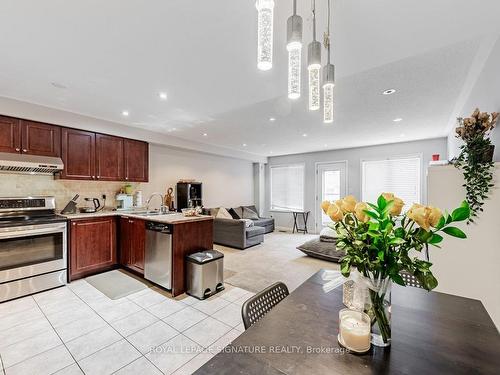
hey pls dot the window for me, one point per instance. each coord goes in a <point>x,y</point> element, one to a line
<point>401,176</point>
<point>287,187</point>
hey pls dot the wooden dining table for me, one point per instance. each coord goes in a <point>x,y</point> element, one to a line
<point>432,333</point>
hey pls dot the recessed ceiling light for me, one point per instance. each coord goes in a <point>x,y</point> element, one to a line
<point>205,134</point>
<point>163,95</point>
<point>389,91</point>
<point>125,113</point>
<point>244,145</point>
<point>398,119</point>
<point>304,135</point>
<point>272,119</point>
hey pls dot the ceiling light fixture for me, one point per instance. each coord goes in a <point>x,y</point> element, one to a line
<point>244,145</point>
<point>294,48</point>
<point>163,95</point>
<point>314,65</point>
<point>265,10</point>
<point>272,119</point>
<point>304,135</point>
<point>125,113</point>
<point>398,119</point>
<point>205,134</point>
<point>389,92</point>
<point>328,77</point>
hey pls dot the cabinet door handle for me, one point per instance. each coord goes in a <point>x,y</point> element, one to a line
<point>18,149</point>
<point>25,150</point>
<point>126,178</point>
<point>98,177</point>
<point>93,177</point>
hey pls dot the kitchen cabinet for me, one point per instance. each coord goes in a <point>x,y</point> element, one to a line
<point>92,246</point>
<point>109,158</point>
<point>78,154</point>
<point>136,154</point>
<point>132,243</point>
<point>10,134</point>
<point>40,139</point>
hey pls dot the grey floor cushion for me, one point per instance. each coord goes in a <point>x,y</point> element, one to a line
<point>322,250</point>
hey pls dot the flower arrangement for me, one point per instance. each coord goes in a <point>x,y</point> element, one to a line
<point>476,157</point>
<point>379,239</point>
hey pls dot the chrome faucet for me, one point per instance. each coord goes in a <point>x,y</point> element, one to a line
<point>162,206</point>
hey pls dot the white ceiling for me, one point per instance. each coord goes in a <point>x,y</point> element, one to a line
<point>117,55</point>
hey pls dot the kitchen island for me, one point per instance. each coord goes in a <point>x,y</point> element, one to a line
<point>110,239</point>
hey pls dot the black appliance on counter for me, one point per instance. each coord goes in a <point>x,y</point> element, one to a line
<point>33,246</point>
<point>189,195</point>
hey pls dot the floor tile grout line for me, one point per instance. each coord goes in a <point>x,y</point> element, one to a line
<point>60,338</point>
<point>125,338</point>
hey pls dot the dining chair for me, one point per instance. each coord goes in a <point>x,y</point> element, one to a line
<point>410,280</point>
<point>259,305</point>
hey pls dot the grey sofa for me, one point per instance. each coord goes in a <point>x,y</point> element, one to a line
<point>236,233</point>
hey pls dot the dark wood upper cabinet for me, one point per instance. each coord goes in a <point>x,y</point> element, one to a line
<point>109,158</point>
<point>40,139</point>
<point>132,243</point>
<point>92,246</point>
<point>10,134</point>
<point>78,154</point>
<point>136,160</point>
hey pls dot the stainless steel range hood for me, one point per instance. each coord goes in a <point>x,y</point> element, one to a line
<point>29,164</point>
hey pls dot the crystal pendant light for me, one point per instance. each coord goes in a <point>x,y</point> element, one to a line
<point>294,47</point>
<point>314,66</point>
<point>265,9</point>
<point>328,78</point>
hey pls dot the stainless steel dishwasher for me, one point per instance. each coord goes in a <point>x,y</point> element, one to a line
<point>158,257</point>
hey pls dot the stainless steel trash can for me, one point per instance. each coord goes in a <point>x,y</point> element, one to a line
<point>205,273</point>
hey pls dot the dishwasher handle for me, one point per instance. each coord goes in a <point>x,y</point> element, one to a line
<point>158,227</point>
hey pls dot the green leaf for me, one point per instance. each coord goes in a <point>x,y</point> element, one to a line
<point>372,214</point>
<point>435,239</point>
<point>373,206</point>
<point>380,255</point>
<point>381,202</point>
<point>398,279</point>
<point>397,241</point>
<point>455,232</point>
<point>441,223</point>
<point>460,213</point>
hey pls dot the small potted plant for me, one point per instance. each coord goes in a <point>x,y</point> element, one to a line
<point>380,240</point>
<point>476,157</point>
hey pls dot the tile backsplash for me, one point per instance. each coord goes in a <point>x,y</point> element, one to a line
<point>17,185</point>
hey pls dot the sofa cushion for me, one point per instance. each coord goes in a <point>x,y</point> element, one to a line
<point>248,223</point>
<point>322,250</point>
<point>254,231</point>
<point>264,222</point>
<point>249,214</point>
<point>223,214</point>
<point>327,235</point>
<point>233,213</point>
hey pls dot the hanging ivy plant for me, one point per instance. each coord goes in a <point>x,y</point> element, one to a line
<point>476,158</point>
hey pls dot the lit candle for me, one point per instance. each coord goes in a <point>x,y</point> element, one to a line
<point>355,330</point>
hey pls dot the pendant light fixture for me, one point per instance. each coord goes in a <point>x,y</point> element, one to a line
<point>328,77</point>
<point>265,9</point>
<point>294,47</point>
<point>314,66</point>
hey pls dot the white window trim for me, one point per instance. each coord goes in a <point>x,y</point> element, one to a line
<point>423,196</point>
<point>303,165</point>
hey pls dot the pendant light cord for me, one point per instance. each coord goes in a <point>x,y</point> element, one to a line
<point>294,7</point>
<point>327,37</point>
<point>313,5</point>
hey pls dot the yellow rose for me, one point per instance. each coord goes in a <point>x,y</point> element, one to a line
<point>397,206</point>
<point>348,204</point>
<point>435,215</point>
<point>421,217</point>
<point>359,212</point>
<point>388,196</point>
<point>325,205</point>
<point>335,213</point>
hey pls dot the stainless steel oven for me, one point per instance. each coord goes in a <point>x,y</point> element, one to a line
<point>33,252</point>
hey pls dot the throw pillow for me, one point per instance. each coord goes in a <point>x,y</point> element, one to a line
<point>223,214</point>
<point>327,235</point>
<point>233,213</point>
<point>239,212</point>
<point>254,209</point>
<point>249,214</point>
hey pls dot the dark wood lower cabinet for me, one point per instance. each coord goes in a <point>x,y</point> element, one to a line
<point>132,243</point>
<point>92,246</point>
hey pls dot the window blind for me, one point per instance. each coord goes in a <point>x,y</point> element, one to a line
<point>287,187</point>
<point>401,176</point>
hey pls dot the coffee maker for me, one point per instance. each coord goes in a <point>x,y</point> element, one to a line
<point>124,201</point>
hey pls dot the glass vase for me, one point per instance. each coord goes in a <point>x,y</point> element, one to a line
<point>380,312</point>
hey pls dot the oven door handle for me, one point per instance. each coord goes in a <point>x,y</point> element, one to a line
<point>31,232</point>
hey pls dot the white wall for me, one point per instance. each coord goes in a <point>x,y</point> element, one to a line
<point>468,267</point>
<point>353,156</point>
<point>485,95</point>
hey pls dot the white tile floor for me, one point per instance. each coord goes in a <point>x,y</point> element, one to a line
<point>78,330</point>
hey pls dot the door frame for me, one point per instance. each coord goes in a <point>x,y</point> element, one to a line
<point>317,205</point>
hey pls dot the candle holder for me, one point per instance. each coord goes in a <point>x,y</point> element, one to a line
<point>354,331</point>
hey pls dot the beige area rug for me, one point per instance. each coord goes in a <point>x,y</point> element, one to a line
<point>117,283</point>
<point>277,259</point>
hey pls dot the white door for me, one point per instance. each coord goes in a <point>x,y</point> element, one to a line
<point>331,184</point>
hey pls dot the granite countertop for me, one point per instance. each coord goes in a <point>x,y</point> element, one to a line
<point>175,218</point>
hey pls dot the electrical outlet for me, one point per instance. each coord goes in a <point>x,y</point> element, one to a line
<point>104,196</point>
